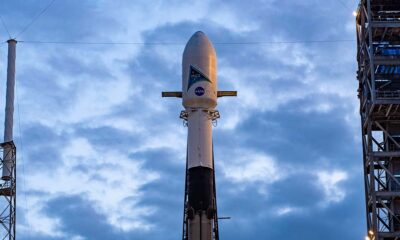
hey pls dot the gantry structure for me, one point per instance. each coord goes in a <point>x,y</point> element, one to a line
<point>378,55</point>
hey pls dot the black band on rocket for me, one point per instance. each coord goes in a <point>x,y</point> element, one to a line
<point>200,188</point>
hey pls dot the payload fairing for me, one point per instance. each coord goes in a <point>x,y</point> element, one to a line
<point>199,98</point>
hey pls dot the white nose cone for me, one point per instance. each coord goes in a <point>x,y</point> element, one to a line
<point>199,73</point>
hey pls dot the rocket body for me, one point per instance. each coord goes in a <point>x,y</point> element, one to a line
<point>199,98</point>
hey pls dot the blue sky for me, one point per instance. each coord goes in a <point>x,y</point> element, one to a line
<point>101,155</point>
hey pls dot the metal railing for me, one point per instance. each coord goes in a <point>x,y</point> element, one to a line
<point>388,94</point>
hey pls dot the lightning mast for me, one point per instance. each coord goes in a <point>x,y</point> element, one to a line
<point>378,55</point>
<point>8,160</point>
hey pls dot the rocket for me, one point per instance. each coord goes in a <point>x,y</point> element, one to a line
<point>199,99</point>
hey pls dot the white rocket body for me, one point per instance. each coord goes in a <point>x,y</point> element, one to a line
<point>199,94</point>
<point>199,97</point>
<point>199,139</point>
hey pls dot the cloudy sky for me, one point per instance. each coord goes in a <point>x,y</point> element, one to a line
<point>101,155</point>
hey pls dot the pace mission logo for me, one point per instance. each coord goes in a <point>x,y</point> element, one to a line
<point>195,75</point>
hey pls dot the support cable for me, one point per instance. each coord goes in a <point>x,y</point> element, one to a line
<point>5,26</point>
<point>21,152</point>
<point>344,5</point>
<point>182,43</point>
<point>35,18</point>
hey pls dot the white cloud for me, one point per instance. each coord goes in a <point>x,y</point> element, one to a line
<point>230,20</point>
<point>260,96</point>
<point>36,221</point>
<point>230,117</point>
<point>330,181</point>
<point>287,210</point>
<point>78,238</point>
<point>251,167</point>
<point>104,177</point>
<point>318,107</point>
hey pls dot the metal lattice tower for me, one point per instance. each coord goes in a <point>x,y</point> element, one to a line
<point>8,192</point>
<point>378,55</point>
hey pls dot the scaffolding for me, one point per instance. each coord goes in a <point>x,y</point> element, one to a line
<point>378,56</point>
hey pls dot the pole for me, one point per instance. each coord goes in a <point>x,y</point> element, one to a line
<point>9,114</point>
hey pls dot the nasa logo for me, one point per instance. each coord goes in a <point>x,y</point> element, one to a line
<point>199,91</point>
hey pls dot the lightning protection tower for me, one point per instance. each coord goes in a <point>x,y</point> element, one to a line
<point>8,157</point>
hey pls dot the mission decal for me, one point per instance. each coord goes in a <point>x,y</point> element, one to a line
<point>195,76</point>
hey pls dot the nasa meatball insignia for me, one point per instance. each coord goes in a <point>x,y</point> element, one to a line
<point>199,91</point>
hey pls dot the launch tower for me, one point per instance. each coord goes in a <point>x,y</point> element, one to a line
<point>378,55</point>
